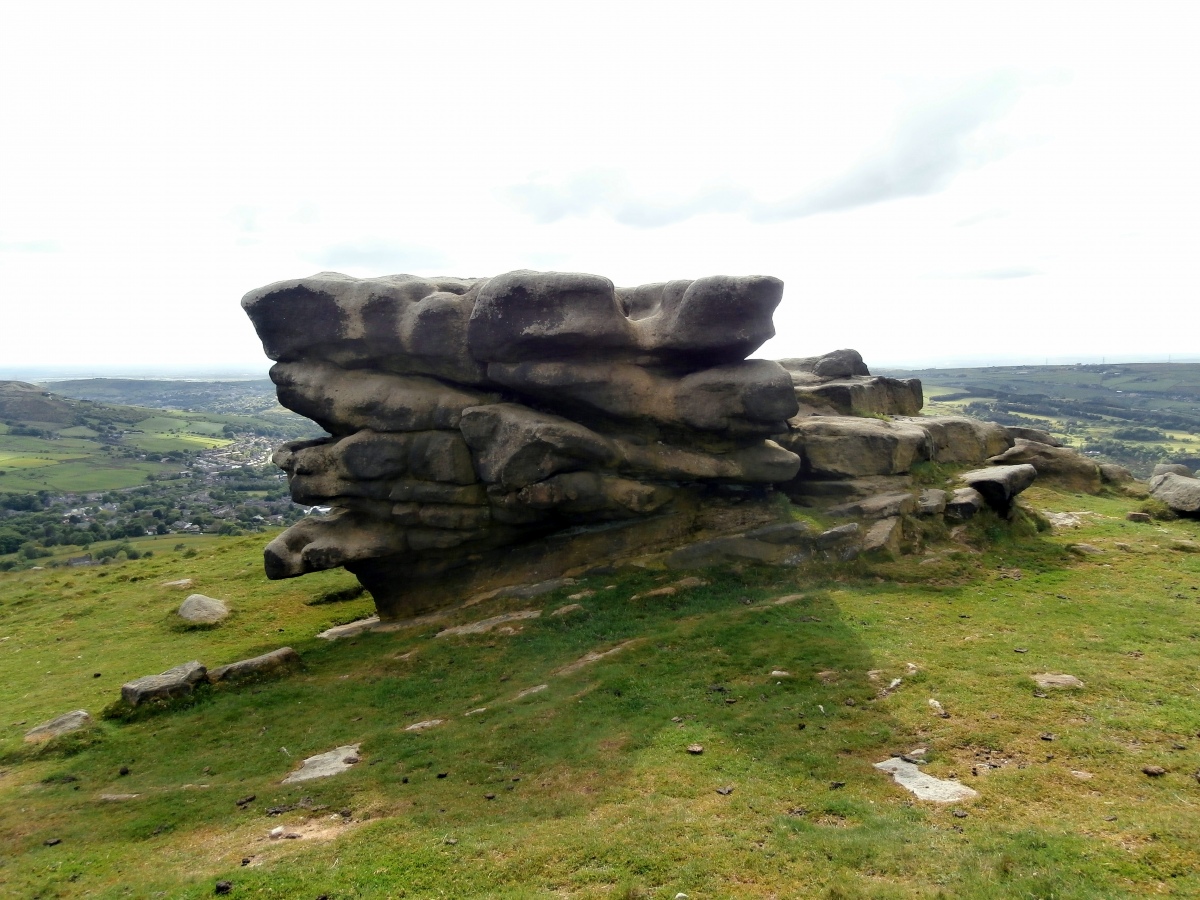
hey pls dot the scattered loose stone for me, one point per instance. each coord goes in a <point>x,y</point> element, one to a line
<point>780,673</point>
<point>223,887</point>
<point>202,610</point>
<point>422,726</point>
<point>487,625</point>
<point>1050,680</point>
<point>938,709</point>
<point>1154,771</point>
<point>323,765</point>
<point>64,724</point>
<point>725,791</point>
<point>1138,517</point>
<point>1020,650</point>
<point>1047,736</point>
<point>695,749</point>
<point>489,796</point>
<point>960,813</point>
<point>174,682</point>
<point>52,842</point>
<point>924,786</point>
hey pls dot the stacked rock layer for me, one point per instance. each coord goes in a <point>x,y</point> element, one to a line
<point>469,417</point>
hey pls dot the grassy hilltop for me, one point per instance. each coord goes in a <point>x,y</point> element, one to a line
<point>585,788</point>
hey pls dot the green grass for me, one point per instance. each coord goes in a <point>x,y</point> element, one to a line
<point>608,801</point>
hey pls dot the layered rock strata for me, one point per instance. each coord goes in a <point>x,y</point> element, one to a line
<point>525,422</point>
<point>490,432</point>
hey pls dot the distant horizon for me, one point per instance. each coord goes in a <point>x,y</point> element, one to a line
<point>259,371</point>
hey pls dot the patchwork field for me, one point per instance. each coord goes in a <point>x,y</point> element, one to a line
<point>571,775</point>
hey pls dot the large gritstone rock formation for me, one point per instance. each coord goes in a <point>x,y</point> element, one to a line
<point>485,433</point>
<point>517,425</point>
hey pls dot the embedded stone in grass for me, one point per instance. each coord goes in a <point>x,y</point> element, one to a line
<point>1154,771</point>
<point>587,659</point>
<point>323,765</point>
<point>350,629</point>
<point>1085,549</point>
<point>537,688</point>
<point>118,798</point>
<point>422,726</point>
<point>695,749</point>
<point>924,786</point>
<point>487,625</point>
<point>1138,517</point>
<point>267,663</point>
<point>568,609</point>
<point>1051,680</point>
<point>178,583</point>
<point>64,724</point>
<point>201,610</point>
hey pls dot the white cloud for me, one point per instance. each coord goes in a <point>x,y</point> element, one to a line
<point>907,169</point>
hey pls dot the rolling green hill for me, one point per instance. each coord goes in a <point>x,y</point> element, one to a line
<point>1135,415</point>
<point>551,770</point>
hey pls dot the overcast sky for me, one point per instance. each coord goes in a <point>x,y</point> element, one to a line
<point>934,182</point>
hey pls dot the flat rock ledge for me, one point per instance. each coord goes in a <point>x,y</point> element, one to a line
<point>324,765</point>
<point>64,724</point>
<point>924,786</point>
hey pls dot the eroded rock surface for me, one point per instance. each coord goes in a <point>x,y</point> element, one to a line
<point>509,430</point>
<point>472,419</point>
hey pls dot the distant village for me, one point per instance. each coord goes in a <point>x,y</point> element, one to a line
<point>228,490</point>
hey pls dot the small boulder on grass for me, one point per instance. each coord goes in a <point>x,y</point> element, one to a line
<point>64,724</point>
<point>200,610</point>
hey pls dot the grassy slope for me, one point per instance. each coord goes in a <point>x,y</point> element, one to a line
<point>608,802</point>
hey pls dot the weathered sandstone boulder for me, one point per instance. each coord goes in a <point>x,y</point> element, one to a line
<point>175,682</point>
<point>850,447</point>
<point>497,431</point>
<point>1179,492</point>
<point>1171,469</point>
<point>959,439</point>
<point>256,667</point>
<point>1032,434</point>
<point>1000,485</point>
<point>1060,464</point>
<point>472,417</point>
<point>840,383</point>
<point>201,610</point>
